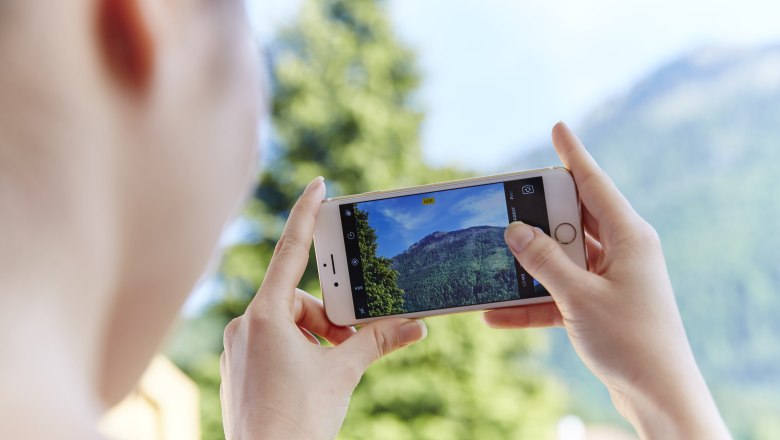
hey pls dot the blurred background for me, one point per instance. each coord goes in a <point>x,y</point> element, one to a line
<point>679,102</point>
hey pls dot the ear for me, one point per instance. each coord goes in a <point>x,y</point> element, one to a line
<point>126,44</point>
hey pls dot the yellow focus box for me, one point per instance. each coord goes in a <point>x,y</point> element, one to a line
<point>428,201</point>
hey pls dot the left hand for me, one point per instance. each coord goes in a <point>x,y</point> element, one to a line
<point>277,381</point>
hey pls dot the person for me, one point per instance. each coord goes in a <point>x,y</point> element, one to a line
<point>620,315</point>
<point>127,133</point>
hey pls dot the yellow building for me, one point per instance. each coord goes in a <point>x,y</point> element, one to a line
<point>164,406</point>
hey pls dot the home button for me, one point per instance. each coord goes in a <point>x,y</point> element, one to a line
<point>565,233</point>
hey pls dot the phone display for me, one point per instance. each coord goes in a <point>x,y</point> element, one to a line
<point>441,249</point>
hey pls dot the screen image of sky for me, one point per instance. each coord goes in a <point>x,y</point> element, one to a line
<point>402,221</point>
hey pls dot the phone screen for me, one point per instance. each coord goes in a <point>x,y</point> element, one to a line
<point>440,249</point>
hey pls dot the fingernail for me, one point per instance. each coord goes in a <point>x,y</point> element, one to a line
<point>317,181</point>
<point>518,235</point>
<point>412,331</point>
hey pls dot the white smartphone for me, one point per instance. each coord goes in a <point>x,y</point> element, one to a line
<point>437,249</point>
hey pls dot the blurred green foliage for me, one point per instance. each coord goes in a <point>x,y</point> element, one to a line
<point>342,107</point>
<point>693,146</point>
<point>463,382</point>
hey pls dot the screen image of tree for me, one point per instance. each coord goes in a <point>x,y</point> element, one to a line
<point>436,250</point>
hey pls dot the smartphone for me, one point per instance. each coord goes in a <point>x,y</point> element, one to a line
<point>440,248</point>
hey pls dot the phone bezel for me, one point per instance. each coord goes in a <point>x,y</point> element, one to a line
<point>562,207</point>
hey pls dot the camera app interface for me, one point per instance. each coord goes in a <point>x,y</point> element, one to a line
<point>441,249</point>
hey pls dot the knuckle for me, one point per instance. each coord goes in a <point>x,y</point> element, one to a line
<point>383,343</point>
<point>521,318</point>
<point>278,246</point>
<point>591,178</point>
<point>230,332</point>
<point>581,298</point>
<point>379,342</point>
<point>543,254</point>
<point>587,180</point>
<point>637,233</point>
<point>290,244</point>
<point>350,373</point>
<point>553,316</point>
<point>223,364</point>
<point>651,235</point>
<point>647,235</point>
<point>557,320</point>
<point>243,329</point>
<point>258,323</point>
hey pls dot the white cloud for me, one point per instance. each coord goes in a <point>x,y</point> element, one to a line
<point>408,220</point>
<point>487,208</point>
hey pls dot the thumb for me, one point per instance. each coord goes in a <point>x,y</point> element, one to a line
<point>544,259</point>
<point>381,337</point>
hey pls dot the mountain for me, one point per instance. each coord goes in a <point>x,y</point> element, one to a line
<point>695,147</point>
<point>441,270</point>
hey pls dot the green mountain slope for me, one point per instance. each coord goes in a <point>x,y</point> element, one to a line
<point>696,149</point>
<point>463,267</point>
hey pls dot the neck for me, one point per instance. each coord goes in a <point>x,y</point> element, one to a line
<point>55,279</point>
<point>44,385</point>
<point>57,229</point>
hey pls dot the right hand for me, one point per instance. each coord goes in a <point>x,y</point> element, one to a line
<point>620,315</point>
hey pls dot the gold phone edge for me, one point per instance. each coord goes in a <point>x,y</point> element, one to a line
<point>449,182</point>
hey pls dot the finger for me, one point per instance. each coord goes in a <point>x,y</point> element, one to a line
<point>379,338</point>
<point>544,259</point>
<point>534,315</point>
<point>223,366</point>
<point>225,412</point>
<point>231,330</point>
<point>313,339</point>
<point>310,315</point>
<point>590,223</point>
<point>594,253</point>
<point>224,388</point>
<point>597,191</point>
<point>292,252</point>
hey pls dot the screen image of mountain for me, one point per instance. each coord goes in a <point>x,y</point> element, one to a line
<point>457,268</point>
<point>440,249</point>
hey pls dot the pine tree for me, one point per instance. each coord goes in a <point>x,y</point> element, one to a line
<point>379,277</point>
<point>343,107</point>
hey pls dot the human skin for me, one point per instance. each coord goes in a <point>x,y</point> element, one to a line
<point>127,133</point>
<point>127,140</point>
<point>620,314</point>
<point>277,381</point>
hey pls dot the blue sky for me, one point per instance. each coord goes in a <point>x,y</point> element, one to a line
<point>403,221</point>
<point>497,74</point>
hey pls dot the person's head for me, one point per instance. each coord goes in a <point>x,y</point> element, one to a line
<point>127,139</point>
